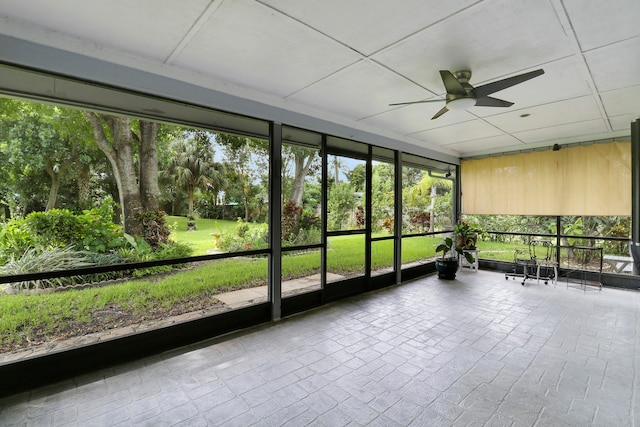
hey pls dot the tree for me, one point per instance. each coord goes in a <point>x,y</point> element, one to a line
<point>340,204</point>
<point>239,157</point>
<point>40,138</point>
<point>302,159</point>
<point>190,167</point>
<point>116,137</point>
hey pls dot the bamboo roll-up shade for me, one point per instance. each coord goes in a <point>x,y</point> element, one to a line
<point>592,180</point>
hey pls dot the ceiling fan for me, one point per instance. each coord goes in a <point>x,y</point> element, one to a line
<point>461,95</point>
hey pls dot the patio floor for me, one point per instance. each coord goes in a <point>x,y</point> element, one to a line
<point>479,350</point>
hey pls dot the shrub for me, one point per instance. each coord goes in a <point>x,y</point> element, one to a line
<point>156,230</point>
<point>256,237</point>
<point>93,231</point>
<point>35,260</point>
<point>291,219</point>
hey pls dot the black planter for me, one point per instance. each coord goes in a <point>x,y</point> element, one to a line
<point>447,268</point>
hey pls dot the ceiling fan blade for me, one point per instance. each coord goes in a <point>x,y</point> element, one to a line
<point>488,101</point>
<point>417,102</point>
<point>489,88</point>
<point>453,86</point>
<point>441,112</point>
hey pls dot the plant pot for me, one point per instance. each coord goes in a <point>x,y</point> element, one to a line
<point>467,242</point>
<point>447,268</point>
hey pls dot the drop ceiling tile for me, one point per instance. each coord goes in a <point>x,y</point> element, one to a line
<point>561,131</point>
<point>249,44</point>
<point>358,91</point>
<point>562,79</point>
<point>367,25</point>
<point>491,144</point>
<point>622,101</point>
<point>623,122</point>
<point>599,23</point>
<point>417,117</point>
<point>492,39</point>
<point>466,131</point>
<point>148,28</point>
<point>615,66</point>
<point>545,116</point>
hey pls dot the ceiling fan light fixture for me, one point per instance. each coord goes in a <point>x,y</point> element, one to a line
<point>461,103</point>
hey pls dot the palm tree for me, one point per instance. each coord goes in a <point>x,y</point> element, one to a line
<point>190,167</point>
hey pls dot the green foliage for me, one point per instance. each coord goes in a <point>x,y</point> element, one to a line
<point>340,205</point>
<point>447,245</point>
<point>291,218</point>
<point>35,260</point>
<point>30,317</point>
<point>92,231</point>
<point>251,238</point>
<point>155,227</point>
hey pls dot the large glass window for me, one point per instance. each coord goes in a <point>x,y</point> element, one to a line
<point>301,211</point>
<point>106,192</point>
<point>382,213</point>
<point>427,201</point>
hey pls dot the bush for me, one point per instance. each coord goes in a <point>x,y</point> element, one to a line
<point>35,260</point>
<point>93,231</point>
<point>156,230</point>
<point>256,237</point>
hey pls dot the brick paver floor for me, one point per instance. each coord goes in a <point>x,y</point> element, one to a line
<point>479,350</point>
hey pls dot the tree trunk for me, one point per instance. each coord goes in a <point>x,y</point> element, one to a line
<point>148,154</point>
<point>56,172</point>
<point>190,201</point>
<point>53,191</point>
<point>84,188</point>
<point>119,152</point>
<point>302,165</point>
<point>432,206</point>
<point>7,211</point>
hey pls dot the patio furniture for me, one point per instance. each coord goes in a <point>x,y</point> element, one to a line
<point>465,264</point>
<point>538,262</point>
<point>522,260</point>
<point>584,267</point>
<point>619,264</point>
<point>546,263</point>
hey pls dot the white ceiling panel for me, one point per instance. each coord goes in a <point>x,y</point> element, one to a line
<point>414,118</point>
<point>623,122</point>
<point>556,133</point>
<point>615,66</point>
<point>337,65</point>
<point>274,54</point>
<point>148,28</point>
<point>494,43</point>
<point>599,23</point>
<point>457,133</point>
<point>486,145</point>
<point>562,79</point>
<point>557,113</point>
<point>368,27</point>
<point>359,91</point>
<point>622,101</point>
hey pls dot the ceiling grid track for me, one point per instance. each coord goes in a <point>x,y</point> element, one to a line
<point>565,21</point>
<point>197,25</point>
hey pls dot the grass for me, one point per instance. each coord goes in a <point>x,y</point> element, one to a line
<point>200,239</point>
<point>27,315</point>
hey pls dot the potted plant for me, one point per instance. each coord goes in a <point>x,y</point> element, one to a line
<point>447,266</point>
<point>467,234</point>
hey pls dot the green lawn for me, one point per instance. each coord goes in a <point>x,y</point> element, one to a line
<point>200,239</point>
<point>27,315</point>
